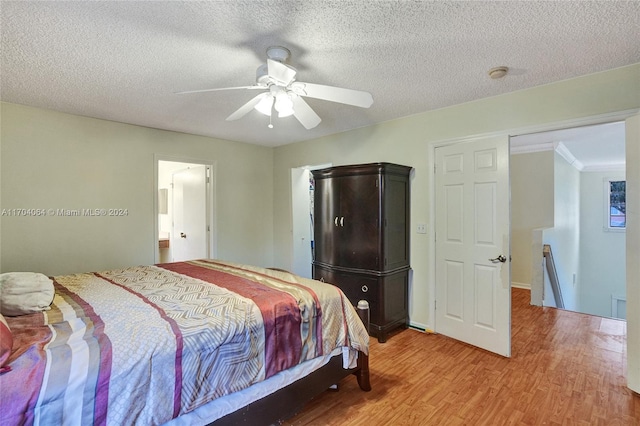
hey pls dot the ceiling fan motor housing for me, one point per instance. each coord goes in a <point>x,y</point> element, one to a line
<point>278,53</point>
<point>262,75</point>
<point>275,53</point>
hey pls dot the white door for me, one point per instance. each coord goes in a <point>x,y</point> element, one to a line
<point>301,218</point>
<point>189,236</point>
<point>473,291</point>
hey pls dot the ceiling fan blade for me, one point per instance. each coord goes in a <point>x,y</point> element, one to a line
<point>283,74</point>
<point>303,112</point>
<point>223,88</point>
<point>244,109</point>
<point>333,94</point>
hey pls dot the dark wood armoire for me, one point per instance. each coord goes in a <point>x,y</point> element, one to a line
<point>361,236</point>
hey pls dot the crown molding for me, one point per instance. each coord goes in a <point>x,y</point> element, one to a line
<point>617,167</point>
<point>564,152</point>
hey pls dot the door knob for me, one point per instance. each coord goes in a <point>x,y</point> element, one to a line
<point>498,259</point>
<point>183,235</point>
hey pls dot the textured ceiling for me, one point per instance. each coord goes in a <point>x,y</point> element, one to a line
<point>123,60</point>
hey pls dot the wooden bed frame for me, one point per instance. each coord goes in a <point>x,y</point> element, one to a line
<point>288,401</point>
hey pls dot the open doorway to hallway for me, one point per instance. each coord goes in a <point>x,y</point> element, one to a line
<point>561,197</point>
<point>183,211</point>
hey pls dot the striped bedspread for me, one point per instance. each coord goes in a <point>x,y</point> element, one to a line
<point>143,345</point>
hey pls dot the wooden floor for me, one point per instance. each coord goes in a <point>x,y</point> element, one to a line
<point>566,369</point>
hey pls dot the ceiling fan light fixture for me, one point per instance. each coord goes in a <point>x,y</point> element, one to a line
<point>265,105</point>
<point>284,105</point>
<point>286,113</point>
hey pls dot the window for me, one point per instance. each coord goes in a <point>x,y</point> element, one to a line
<point>615,193</point>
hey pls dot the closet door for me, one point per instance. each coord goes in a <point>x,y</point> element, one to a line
<point>358,223</point>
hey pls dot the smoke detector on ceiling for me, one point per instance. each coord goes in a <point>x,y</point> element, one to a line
<point>498,72</point>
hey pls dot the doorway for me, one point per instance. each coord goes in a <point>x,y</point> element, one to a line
<point>563,203</point>
<point>534,198</point>
<point>184,211</point>
<point>302,193</point>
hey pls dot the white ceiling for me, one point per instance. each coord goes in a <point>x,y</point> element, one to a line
<point>123,60</point>
<point>589,148</point>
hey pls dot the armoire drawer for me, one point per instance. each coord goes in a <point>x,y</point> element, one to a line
<point>355,287</point>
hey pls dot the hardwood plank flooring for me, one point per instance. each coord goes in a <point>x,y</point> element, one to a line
<point>566,368</point>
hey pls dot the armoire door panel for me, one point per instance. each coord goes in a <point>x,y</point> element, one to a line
<point>358,228</point>
<point>326,209</point>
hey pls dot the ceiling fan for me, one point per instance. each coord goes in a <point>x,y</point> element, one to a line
<point>282,92</point>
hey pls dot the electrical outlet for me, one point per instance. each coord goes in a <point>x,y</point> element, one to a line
<point>422,228</point>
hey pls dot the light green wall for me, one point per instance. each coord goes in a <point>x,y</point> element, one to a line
<point>602,254</point>
<point>564,237</point>
<point>407,141</point>
<point>56,160</point>
<point>531,208</point>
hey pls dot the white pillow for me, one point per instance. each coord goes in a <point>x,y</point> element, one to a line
<point>24,293</point>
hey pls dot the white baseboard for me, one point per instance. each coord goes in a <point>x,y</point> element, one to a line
<point>521,285</point>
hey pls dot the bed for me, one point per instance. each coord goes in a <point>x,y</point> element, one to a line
<point>185,343</point>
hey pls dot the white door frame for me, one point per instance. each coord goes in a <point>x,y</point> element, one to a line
<point>557,125</point>
<point>632,144</point>
<point>211,202</point>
